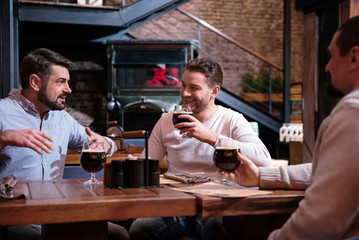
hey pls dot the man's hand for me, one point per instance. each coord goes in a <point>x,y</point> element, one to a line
<point>197,130</point>
<point>30,138</point>
<point>95,137</point>
<point>247,174</point>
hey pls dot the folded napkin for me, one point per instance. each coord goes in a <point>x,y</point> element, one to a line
<point>221,190</point>
<point>185,177</point>
<point>9,189</point>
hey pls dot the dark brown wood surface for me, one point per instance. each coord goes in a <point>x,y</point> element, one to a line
<point>73,158</point>
<point>280,202</point>
<point>67,201</point>
<point>67,206</point>
<point>310,83</point>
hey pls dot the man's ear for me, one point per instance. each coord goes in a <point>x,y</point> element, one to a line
<point>35,82</point>
<point>215,91</point>
<point>354,58</point>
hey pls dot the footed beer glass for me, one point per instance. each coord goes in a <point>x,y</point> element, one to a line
<point>93,158</point>
<point>225,157</point>
<point>181,110</point>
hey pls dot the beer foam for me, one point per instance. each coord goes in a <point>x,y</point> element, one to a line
<point>183,112</point>
<point>227,148</point>
<point>93,150</point>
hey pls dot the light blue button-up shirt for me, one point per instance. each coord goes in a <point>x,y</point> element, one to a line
<point>16,112</point>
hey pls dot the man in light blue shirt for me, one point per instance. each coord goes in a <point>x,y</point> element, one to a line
<point>35,132</point>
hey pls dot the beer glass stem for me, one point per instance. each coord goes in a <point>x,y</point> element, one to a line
<point>224,180</point>
<point>93,179</point>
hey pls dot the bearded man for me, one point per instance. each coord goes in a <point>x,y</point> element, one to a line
<point>35,132</point>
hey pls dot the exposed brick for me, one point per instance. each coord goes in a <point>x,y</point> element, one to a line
<point>257,24</point>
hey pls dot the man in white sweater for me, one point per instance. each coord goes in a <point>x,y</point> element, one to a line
<point>201,83</point>
<point>330,208</point>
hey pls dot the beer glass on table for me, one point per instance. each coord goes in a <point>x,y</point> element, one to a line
<point>225,157</point>
<point>93,158</point>
<point>181,110</point>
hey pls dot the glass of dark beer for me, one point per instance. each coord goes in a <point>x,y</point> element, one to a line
<point>225,157</point>
<point>181,110</point>
<point>93,158</point>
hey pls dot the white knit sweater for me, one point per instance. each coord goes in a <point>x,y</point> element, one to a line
<point>191,155</point>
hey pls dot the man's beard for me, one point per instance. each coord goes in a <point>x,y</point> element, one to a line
<point>52,105</point>
<point>331,90</point>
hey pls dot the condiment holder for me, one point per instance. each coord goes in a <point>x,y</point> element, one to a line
<point>132,172</point>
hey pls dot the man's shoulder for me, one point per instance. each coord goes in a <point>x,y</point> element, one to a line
<point>350,101</point>
<point>228,112</point>
<point>7,103</point>
<point>166,116</point>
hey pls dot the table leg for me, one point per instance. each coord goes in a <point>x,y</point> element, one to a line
<point>253,226</point>
<point>3,233</point>
<point>74,231</point>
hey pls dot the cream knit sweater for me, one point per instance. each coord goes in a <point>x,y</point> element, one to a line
<point>191,155</point>
<point>330,208</point>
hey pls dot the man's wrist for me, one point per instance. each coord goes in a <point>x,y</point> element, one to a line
<point>112,146</point>
<point>215,139</point>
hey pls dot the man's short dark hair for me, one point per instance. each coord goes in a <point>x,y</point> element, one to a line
<point>348,35</point>
<point>211,69</point>
<point>39,62</point>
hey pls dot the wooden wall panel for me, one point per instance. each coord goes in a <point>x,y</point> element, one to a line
<point>348,9</point>
<point>354,8</point>
<point>310,79</point>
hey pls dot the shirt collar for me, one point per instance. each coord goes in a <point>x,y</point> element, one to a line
<point>22,100</point>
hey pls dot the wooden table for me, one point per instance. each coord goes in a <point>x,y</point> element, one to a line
<point>280,202</point>
<point>252,217</point>
<point>57,203</point>
<point>73,158</point>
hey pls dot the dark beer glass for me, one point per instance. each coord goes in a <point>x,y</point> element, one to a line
<point>176,120</point>
<point>181,110</point>
<point>92,159</point>
<point>225,157</point>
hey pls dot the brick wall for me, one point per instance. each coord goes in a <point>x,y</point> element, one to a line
<point>257,24</point>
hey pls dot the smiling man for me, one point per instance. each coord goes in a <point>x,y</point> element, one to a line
<point>35,133</point>
<point>53,92</point>
<point>201,83</point>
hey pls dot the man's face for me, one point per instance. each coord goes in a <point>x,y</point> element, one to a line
<point>339,68</point>
<point>54,91</point>
<point>195,91</point>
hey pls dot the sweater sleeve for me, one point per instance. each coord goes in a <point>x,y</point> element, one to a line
<point>156,147</point>
<point>250,144</point>
<point>330,206</point>
<point>291,177</point>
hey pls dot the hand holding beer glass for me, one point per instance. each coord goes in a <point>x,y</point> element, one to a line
<point>181,110</point>
<point>93,158</point>
<point>225,157</point>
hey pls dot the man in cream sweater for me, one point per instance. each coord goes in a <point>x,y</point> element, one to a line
<point>193,153</point>
<point>330,208</point>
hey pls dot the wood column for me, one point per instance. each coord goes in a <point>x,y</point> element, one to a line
<point>310,83</point>
<point>348,9</point>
